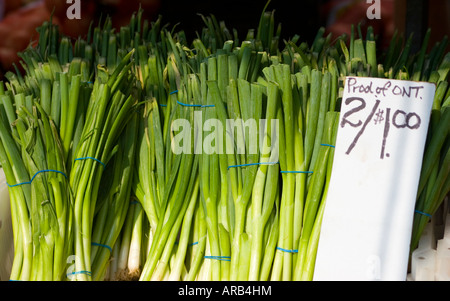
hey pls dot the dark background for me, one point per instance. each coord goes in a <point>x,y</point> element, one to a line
<point>300,17</point>
<point>297,17</point>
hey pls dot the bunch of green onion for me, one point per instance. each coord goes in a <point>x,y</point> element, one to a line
<point>32,158</point>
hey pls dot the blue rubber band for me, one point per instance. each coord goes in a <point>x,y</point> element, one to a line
<point>80,272</point>
<point>287,251</point>
<point>41,171</point>
<point>162,105</point>
<point>423,213</point>
<point>296,171</point>
<point>324,144</point>
<point>223,258</point>
<point>190,105</point>
<point>189,245</point>
<point>249,164</point>
<point>91,158</point>
<point>101,245</point>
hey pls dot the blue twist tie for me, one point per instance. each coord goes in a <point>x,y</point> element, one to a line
<point>101,245</point>
<point>249,164</point>
<point>162,105</point>
<point>324,144</point>
<point>191,105</point>
<point>287,251</point>
<point>423,213</point>
<point>41,171</point>
<point>91,158</point>
<point>173,92</point>
<point>223,258</point>
<point>296,171</point>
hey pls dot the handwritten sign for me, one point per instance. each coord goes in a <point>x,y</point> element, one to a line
<point>367,222</point>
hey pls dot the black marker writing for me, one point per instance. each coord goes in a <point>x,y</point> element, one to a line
<point>406,120</point>
<point>385,133</point>
<point>361,131</point>
<point>354,110</point>
<point>389,88</point>
<point>400,119</point>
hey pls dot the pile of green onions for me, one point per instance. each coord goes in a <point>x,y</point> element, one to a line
<point>104,111</point>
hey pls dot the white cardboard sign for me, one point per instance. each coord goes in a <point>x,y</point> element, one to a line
<point>367,222</point>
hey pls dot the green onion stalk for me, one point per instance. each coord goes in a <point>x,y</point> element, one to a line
<point>129,252</point>
<point>178,215</point>
<point>134,243</point>
<point>433,183</point>
<point>292,152</point>
<point>63,92</point>
<point>315,201</point>
<point>244,177</point>
<point>150,179</point>
<point>113,205</point>
<point>196,249</point>
<point>282,76</point>
<point>265,187</point>
<point>210,179</point>
<point>317,166</point>
<point>179,268</point>
<point>220,98</point>
<point>148,188</point>
<point>152,176</point>
<point>178,180</point>
<point>245,108</point>
<point>109,110</point>
<point>31,155</point>
<point>112,268</point>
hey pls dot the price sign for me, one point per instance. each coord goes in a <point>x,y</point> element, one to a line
<point>367,222</point>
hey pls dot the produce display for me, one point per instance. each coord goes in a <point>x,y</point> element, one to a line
<point>120,165</point>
